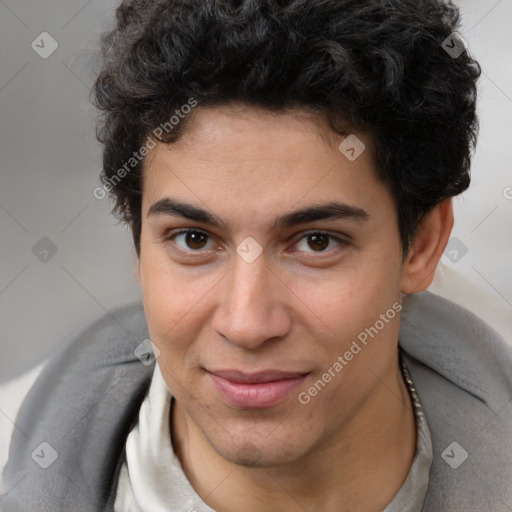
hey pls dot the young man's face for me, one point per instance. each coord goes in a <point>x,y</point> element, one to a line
<point>294,308</point>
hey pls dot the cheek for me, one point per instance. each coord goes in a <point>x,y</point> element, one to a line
<point>176,306</point>
<point>170,291</point>
<point>347,300</point>
<point>349,304</point>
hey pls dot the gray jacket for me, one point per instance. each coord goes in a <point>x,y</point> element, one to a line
<point>88,396</point>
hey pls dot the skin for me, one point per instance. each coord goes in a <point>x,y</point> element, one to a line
<point>296,307</point>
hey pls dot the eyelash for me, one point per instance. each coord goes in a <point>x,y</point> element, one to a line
<point>173,234</point>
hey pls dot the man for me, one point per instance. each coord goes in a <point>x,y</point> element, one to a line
<point>286,169</point>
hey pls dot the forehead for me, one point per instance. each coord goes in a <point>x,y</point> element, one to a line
<point>241,157</point>
<point>226,124</point>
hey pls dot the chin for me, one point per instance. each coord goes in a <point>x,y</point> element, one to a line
<point>258,453</point>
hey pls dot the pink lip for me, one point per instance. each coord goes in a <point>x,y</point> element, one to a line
<point>258,390</point>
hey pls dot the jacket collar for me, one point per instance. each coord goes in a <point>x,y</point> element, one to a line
<point>88,396</point>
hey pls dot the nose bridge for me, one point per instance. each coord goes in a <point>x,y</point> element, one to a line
<point>249,288</point>
<point>250,313</point>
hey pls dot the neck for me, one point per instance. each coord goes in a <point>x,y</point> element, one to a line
<point>361,467</point>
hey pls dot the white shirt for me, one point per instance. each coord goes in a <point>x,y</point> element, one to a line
<point>152,480</point>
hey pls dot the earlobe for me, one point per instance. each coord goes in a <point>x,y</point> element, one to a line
<point>427,248</point>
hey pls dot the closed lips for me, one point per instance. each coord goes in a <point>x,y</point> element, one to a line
<point>257,390</point>
<point>266,376</point>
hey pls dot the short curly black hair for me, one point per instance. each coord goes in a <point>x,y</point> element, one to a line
<point>373,65</point>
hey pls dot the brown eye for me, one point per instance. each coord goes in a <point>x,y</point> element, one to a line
<point>190,240</point>
<point>318,241</point>
<point>195,240</point>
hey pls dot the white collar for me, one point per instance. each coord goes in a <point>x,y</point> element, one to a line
<point>152,480</point>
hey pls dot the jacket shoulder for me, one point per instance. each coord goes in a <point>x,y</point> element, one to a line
<point>78,414</point>
<point>462,371</point>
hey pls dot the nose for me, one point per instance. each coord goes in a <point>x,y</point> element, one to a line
<point>253,308</point>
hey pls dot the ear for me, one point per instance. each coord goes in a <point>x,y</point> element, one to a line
<point>429,243</point>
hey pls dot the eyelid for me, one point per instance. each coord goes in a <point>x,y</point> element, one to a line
<point>169,236</point>
<point>341,241</point>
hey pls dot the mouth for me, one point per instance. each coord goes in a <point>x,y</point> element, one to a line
<point>256,390</point>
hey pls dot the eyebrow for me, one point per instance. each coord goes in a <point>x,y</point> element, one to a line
<point>331,210</point>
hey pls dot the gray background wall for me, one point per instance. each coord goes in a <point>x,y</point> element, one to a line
<point>50,162</point>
